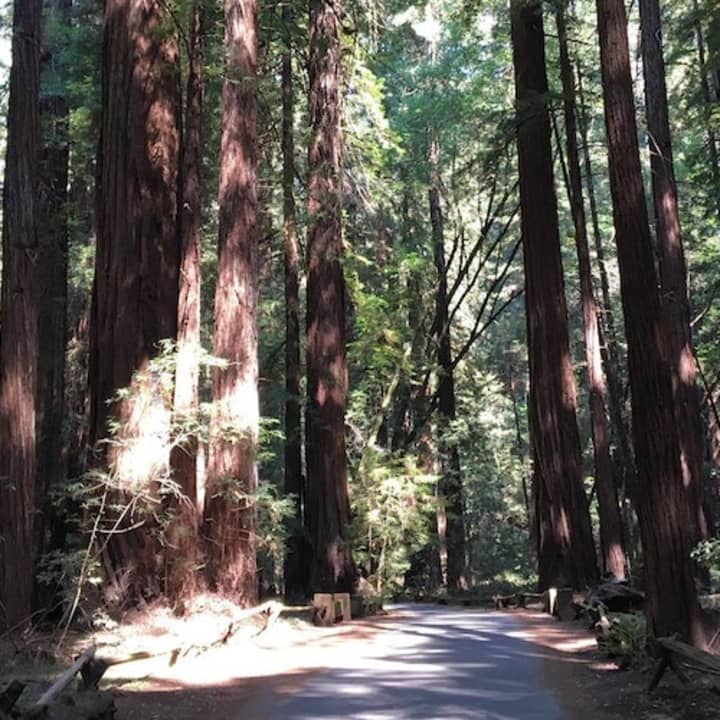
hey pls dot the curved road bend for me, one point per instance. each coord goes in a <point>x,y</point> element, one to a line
<point>432,663</point>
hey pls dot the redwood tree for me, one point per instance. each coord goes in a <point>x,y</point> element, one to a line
<point>566,553</point>
<point>136,266</point>
<point>232,468</point>
<point>326,505</point>
<point>53,275</point>
<point>19,318</point>
<point>660,499</point>
<point>182,562</point>
<point>451,522</point>
<point>673,273</point>
<point>611,539</point>
<point>295,572</point>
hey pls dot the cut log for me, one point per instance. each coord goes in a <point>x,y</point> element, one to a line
<point>564,610</point>
<point>550,599</point>
<point>342,606</point>
<point>331,608</point>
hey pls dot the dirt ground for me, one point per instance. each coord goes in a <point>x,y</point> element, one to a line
<point>584,681</point>
<point>230,680</point>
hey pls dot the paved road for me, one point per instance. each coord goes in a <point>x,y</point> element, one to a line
<point>436,663</point>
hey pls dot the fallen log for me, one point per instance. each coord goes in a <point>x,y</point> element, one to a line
<point>66,678</point>
<point>272,608</point>
<point>617,596</point>
<point>674,651</point>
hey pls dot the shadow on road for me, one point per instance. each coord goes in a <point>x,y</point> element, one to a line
<point>429,663</point>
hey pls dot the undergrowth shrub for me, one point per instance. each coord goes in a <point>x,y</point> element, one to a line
<point>625,641</point>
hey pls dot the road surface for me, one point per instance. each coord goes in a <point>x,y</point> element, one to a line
<point>432,663</point>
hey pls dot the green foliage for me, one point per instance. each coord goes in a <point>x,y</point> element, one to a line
<point>273,511</point>
<point>707,554</point>
<point>392,500</point>
<point>444,68</point>
<point>626,639</point>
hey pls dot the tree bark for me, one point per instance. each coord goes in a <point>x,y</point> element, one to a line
<point>327,504</point>
<point>673,273</point>
<point>661,504</point>
<point>566,553</point>
<point>19,302</point>
<point>712,141</point>
<point>611,537</point>
<point>181,564</point>
<point>451,517</point>
<point>609,348</point>
<point>296,572</point>
<point>232,468</point>
<point>136,270</point>
<point>52,276</point>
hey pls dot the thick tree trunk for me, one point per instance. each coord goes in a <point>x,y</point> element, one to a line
<point>327,504</point>
<point>451,513</point>
<point>296,571</point>
<point>611,537</point>
<point>136,269</point>
<point>232,467</point>
<point>673,272</point>
<point>181,563</point>
<point>52,275</point>
<point>661,503</point>
<point>566,553</point>
<point>19,318</point>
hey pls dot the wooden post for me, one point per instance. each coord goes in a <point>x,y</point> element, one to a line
<point>550,600</point>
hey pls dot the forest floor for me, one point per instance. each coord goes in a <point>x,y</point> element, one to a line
<point>589,684</point>
<point>261,667</point>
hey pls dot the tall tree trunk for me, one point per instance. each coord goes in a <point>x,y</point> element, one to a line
<point>673,272</point>
<point>327,504</point>
<point>181,564</point>
<point>232,468</point>
<point>295,555</point>
<point>52,275</point>
<point>609,347</point>
<point>608,332</point>
<point>19,318</point>
<point>451,514</point>
<point>712,141</point>
<point>136,270</point>
<point>611,539</point>
<point>661,503</point>
<point>566,553</point>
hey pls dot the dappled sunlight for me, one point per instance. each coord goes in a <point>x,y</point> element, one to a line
<point>419,661</point>
<point>140,449</point>
<point>454,664</point>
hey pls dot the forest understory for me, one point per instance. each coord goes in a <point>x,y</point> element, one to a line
<point>234,678</point>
